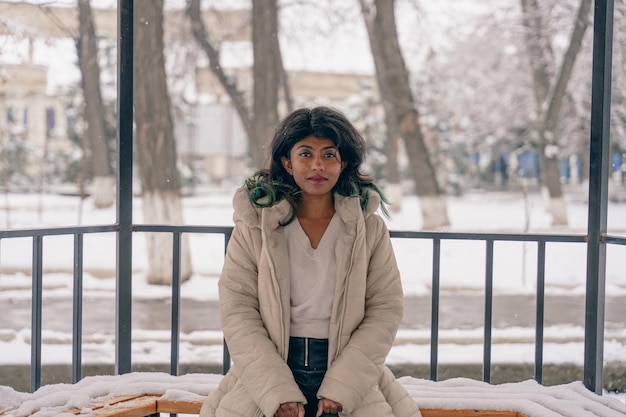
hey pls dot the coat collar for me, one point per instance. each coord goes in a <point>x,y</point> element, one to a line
<point>348,209</point>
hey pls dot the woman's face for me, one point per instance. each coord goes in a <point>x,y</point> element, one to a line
<point>315,165</point>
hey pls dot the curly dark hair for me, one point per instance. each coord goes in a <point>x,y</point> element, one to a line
<point>270,185</point>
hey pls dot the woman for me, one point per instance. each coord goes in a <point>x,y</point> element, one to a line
<point>310,293</point>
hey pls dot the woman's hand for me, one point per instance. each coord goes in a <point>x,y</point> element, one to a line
<point>290,410</point>
<point>325,405</point>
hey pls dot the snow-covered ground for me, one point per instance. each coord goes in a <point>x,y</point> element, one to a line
<point>463,261</point>
<point>463,267</point>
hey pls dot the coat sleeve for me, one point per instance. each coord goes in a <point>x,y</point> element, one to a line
<point>263,372</point>
<point>356,371</point>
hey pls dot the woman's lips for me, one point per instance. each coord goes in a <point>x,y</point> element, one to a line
<point>317,179</point>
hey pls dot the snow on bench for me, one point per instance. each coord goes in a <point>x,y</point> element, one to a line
<point>145,393</point>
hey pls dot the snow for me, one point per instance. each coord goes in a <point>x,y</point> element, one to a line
<point>528,397</point>
<point>462,271</point>
<point>59,397</point>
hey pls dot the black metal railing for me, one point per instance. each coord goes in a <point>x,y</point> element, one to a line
<point>37,236</point>
<point>489,239</point>
<point>177,232</point>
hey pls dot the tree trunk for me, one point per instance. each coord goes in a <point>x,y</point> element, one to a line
<point>393,187</point>
<point>258,123</point>
<point>229,84</point>
<point>550,99</point>
<point>551,185</point>
<point>266,74</point>
<point>398,102</point>
<point>155,144</point>
<point>539,50</point>
<point>284,79</point>
<point>103,184</point>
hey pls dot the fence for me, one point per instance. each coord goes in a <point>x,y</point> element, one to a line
<point>124,319</point>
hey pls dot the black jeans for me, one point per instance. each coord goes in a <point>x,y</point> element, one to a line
<point>308,360</point>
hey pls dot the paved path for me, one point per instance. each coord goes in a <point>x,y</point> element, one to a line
<point>456,312</point>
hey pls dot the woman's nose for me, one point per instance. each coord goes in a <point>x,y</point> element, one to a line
<point>318,163</point>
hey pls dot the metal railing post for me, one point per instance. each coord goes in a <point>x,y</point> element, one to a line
<point>598,193</point>
<point>225,352</point>
<point>36,313</point>
<point>488,312</point>
<point>434,311</point>
<point>176,282</point>
<point>540,310</point>
<point>123,295</point>
<point>77,309</point>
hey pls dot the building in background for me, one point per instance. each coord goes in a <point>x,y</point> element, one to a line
<point>211,142</point>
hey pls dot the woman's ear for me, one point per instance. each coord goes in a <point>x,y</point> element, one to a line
<point>286,164</point>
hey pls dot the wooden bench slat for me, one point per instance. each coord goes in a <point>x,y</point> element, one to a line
<point>128,406</point>
<point>428,412</point>
<point>111,401</point>
<point>178,407</point>
<point>137,410</point>
<point>193,407</point>
<point>146,405</point>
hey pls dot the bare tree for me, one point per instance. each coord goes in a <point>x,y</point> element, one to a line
<point>99,133</point>
<point>550,93</point>
<point>258,120</point>
<point>265,73</point>
<point>156,147</point>
<point>401,115</point>
<point>99,136</point>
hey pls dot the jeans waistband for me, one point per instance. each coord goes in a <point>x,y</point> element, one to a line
<point>308,353</point>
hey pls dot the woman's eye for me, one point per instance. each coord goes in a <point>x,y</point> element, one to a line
<point>331,155</point>
<point>305,154</point>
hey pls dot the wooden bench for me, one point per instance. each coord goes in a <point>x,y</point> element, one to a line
<point>147,405</point>
<point>150,393</point>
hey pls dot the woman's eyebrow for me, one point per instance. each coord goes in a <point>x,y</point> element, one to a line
<point>311,147</point>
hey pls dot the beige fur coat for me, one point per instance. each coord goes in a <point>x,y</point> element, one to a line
<point>254,310</point>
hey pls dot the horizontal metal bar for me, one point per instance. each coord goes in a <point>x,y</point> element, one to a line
<point>489,236</point>
<point>401,234</point>
<point>618,240</point>
<point>159,228</point>
<point>56,231</point>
